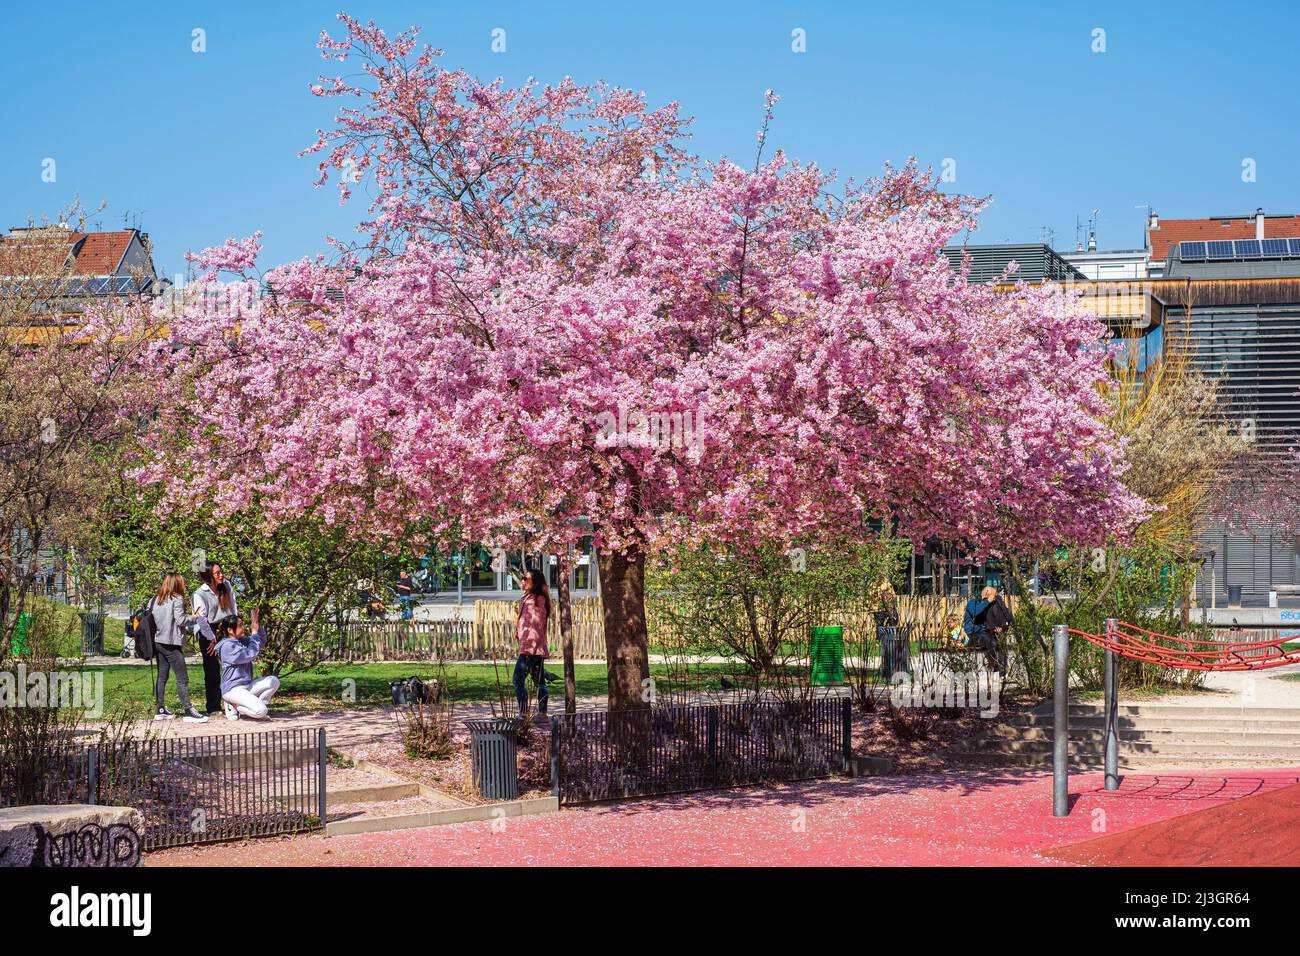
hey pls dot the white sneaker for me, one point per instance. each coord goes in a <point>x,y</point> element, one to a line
<point>232,712</point>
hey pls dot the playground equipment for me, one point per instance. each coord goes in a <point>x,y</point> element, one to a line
<point>1122,639</point>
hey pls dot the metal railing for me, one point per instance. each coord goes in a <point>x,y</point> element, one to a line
<point>199,789</point>
<point>677,749</point>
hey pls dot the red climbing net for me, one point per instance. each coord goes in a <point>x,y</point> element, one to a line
<point>1134,642</point>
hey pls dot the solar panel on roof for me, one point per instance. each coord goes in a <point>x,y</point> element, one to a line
<point>1246,248</point>
<point>1274,247</point>
<point>1188,251</point>
<point>1218,249</point>
<point>1295,246</point>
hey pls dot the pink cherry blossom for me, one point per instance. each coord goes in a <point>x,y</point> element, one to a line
<point>523,280</point>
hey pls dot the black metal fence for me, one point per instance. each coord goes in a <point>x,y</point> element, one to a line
<point>675,749</point>
<point>199,789</point>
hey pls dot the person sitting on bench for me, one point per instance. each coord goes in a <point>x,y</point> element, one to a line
<point>240,694</point>
<point>998,621</point>
<point>974,623</point>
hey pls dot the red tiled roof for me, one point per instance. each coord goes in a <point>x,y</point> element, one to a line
<point>92,253</point>
<point>1170,231</point>
<point>100,253</point>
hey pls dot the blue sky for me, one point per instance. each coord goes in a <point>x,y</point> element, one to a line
<point>199,147</point>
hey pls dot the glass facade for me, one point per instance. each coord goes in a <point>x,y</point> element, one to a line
<point>489,569</point>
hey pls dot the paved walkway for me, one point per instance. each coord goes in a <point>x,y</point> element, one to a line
<point>1239,688</point>
<point>962,818</point>
<point>365,723</point>
<point>343,727</point>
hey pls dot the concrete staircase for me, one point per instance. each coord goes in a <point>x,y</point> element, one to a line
<point>1151,736</point>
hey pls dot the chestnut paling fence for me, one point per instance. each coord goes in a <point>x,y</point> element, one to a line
<point>445,640</point>
<point>675,749</point>
<point>199,789</point>
<point>489,634</point>
<point>491,631</point>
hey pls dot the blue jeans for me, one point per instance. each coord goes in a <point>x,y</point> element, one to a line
<point>530,665</point>
<point>405,602</point>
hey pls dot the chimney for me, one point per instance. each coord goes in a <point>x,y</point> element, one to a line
<point>1153,222</point>
<point>1092,241</point>
<point>1259,223</point>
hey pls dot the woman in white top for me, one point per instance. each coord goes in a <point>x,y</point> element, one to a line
<point>215,602</point>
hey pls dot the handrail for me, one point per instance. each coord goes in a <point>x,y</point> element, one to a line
<point>1137,643</point>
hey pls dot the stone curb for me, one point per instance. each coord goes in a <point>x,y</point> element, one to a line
<point>436,818</point>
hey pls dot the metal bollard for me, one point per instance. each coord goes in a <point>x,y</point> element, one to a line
<point>494,749</point>
<point>1111,732</point>
<point>1061,722</point>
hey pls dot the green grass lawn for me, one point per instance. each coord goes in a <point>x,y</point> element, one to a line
<point>129,686</point>
<point>61,622</point>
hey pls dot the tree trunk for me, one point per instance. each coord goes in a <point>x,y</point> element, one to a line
<point>622,585</point>
<point>566,635</point>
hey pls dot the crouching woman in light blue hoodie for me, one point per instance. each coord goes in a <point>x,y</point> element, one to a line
<point>242,696</point>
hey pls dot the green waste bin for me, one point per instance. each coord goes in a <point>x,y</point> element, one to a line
<point>19,645</point>
<point>827,645</point>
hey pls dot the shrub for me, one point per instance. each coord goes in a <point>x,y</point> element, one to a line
<point>426,725</point>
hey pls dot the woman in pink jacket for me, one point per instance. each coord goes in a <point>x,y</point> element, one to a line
<point>530,630</point>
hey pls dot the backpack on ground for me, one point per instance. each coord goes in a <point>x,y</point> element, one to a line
<point>140,629</point>
<point>412,690</point>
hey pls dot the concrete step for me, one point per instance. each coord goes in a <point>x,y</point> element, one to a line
<point>1079,762</point>
<point>1161,722</point>
<point>1212,736</point>
<point>1180,710</point>
<point>1282,750</point>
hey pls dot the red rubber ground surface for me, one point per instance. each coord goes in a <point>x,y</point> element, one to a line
<point>961,818</point>
<point>1259,830</point>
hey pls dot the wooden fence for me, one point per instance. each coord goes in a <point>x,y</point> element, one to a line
<point>491,633</point>
<point>498,618</point>
<point>403,641</point>
<point>929,618</point>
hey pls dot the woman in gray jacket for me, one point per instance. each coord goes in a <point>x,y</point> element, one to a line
<point>170,621</point>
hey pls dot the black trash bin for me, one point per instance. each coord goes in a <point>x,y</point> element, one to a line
<point>494,748</point>
<point>1234,595</point>
<point>895,654</point>
<point>92,633</point>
